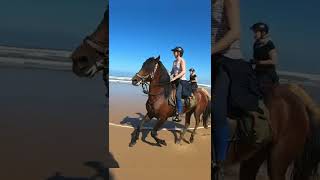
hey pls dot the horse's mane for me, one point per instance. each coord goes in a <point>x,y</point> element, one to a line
<point>165,78</point>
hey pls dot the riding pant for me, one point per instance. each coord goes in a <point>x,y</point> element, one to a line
<point>179,96</point>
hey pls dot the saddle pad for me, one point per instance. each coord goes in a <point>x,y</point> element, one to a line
<point>252,127</point>
<point>172,100</point>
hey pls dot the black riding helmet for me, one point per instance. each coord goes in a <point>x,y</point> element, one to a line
<point>260,26</point>
<point>191,69</point>
<point>178,49</point>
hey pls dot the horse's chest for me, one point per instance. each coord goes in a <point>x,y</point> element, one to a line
<point>154,105</point>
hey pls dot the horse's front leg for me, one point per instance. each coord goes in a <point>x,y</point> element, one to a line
<point>197,117</point>
<point>136,132</point>
<point>154,132</point>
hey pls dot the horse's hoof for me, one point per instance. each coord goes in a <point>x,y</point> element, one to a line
<point>163,142</point>
<point>132,144</point>
<point>178,141</point>
<point>191,139</point>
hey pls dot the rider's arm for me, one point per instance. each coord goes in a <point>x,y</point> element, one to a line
<point>233,14</point>
<point>183,71</point>
<point>171,73</point>
<point>273,58</point>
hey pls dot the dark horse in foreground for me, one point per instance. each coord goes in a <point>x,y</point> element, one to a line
<point>295,122</point>
<point>158,106</point>
<point>92,55</point>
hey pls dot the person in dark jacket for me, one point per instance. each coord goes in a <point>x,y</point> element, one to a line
<point>193,79</point>
<point>264,57</point>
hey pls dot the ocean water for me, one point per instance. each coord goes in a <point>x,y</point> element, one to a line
<point>125,77</point>
<point>52,24</point>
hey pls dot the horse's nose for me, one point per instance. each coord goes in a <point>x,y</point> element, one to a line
<point>134,81</point>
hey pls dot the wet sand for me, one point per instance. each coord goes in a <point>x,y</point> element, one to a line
<point>145,160</point>
<point>51,122</point>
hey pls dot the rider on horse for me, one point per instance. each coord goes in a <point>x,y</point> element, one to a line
<point>178,72</point>
<point>193,79</point>
<point>265,57</point>
<point>235,86</point>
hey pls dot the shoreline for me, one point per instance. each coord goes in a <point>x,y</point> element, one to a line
<point>11,55</point>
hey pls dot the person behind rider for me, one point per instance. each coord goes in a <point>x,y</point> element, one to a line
<point>225,49</point>
<point>193,79</point>
<point>264,57</point>
<point>178,72</point>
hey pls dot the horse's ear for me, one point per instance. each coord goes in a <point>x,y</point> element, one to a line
<point>158,58</point>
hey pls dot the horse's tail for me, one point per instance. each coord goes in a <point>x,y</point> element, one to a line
<point>207,111</point>
<point>306,164</point>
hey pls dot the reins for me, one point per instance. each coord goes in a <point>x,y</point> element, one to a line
<point>145,85</point>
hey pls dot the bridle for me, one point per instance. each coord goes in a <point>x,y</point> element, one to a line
<point>103,51</point>
<point>100,47</point>
<point>144,83</point>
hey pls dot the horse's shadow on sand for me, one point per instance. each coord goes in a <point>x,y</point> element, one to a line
<point>101,170</point>
<point>147,127</point>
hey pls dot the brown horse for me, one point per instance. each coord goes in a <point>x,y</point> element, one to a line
<point>158,106</point>
<point>92,55</point>
<point>295,123</point>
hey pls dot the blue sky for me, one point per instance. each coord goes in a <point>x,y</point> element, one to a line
<point>294,27</point>
<point>143,28</point>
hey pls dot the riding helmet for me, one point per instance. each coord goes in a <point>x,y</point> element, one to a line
<point>178,49</point>
<point>260,26</point>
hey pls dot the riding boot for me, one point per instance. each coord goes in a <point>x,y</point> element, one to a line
<point>179,111</point>
<point>217,170</point>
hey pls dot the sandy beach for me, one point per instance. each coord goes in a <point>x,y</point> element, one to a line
<point>144,160</point>
<point>52,124</point>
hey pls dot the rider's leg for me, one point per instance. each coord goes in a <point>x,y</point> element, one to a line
<point>179,101</point>
<point>221,127</point>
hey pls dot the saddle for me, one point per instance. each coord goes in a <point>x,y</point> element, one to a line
<point>188,102</point>
<point>252,127</point>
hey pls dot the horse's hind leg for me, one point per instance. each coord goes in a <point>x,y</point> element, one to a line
<point>154,132</point>
<point>197,117</point>
<point>186,126</point>
<point>136,132</point>
<point>282,155</point>
<point>249,168</point>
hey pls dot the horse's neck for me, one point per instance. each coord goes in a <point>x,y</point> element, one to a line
<point>158,86</point>
<point>102,32</point>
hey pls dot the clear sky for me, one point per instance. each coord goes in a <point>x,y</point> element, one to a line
<point>295,29</point>
<point>143,28</point>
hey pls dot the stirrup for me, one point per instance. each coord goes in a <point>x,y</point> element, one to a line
<point>176,118</point>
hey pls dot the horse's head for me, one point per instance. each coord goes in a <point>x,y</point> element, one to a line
<point>92,55</point>
<point>147,71</point>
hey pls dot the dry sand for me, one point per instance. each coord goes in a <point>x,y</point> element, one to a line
<point>51,122</point>
<point>144,160</point>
